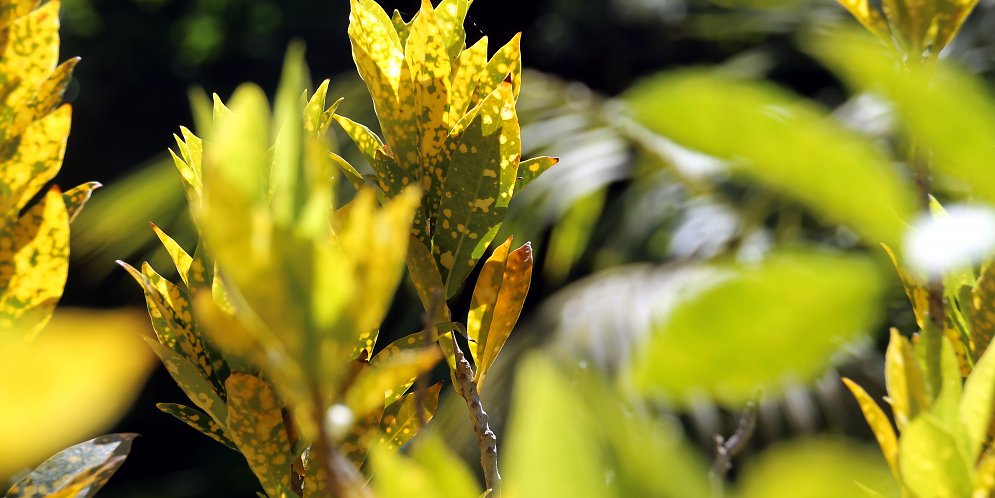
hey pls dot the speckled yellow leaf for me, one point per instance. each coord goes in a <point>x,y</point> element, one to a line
<point>180,258</point>
<point>76,472</point>
<point>467,71</point>
<point>411,342</point>
<point>905,381</point>
<point>400,420</point>
<point>478,187</point>
<point>983,309</point>
<point>30,55</point>
<point>376,383</point>
<point>73,380</point>
<point>507,61</point>
<point>33,265</point>
<point>256,426</point>
<point>13,9</point>
<point>47,98</point>
<point>947,20</point>
<point>356,443</point>
<point>357,180</point>
<point>77,197</point>
<point>869,17</point>
<point>531,169</point>
<point>35,160</point>
<point>449,17</point>
<point>317,118</point>
<point>880,425</point>
<point>366,141</point>
<point>197,388</point>
<point>199,420</point>
<point>497,301</point>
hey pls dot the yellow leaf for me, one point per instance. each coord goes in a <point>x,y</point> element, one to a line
<point>468,70</point>
<point>904,379</point>
<point>869,17</point>
<point>984,476</point>
<point>376,383</point>
<point>33,265</point>
<point>256,426</point>
<point>505,63</point>
<point>75,379</point>
<point>77,197</point>
<point>880,426</point>
<point>36,160</point>
<point>497,301</point>
<point>400,420</point>
<point>180,258</point>
<point>31,52</point>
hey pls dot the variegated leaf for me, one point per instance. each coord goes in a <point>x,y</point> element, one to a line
<point>199,420</point>
<point>83,469</point>
<point>255,423</point>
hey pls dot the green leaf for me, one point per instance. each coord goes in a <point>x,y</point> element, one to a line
<point>77,196</point>
<point>255,423</point>
<point>817,468</point>
<point>478,187</point>
<point>782,141</point>
<point>400,419</point>
<point>931,460</point>
<point>84,468</point>
<point>904,380</point>
<point>531,169</point>
<point>198,420</point>
<point>727,337</point>
<point>431,472</point>
<point>880,425</point>
<point>977,401</point>
<point>188,377</point>
<point>497,301</point>
<point>982,307</point>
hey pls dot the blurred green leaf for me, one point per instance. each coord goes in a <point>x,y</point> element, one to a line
<point>432,471</point>
<point>77,472</point>
<point>818,468</point>
<point>728,337</point>
<point>977,401</point>
<point>932,460</point>
<point>782,141</point>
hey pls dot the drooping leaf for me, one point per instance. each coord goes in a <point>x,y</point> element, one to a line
<point>782,141</point>
<point>757,312</point>
<point>931,460</point>
<point>83,468</point>
<point>826,468</point>
<point>256,426</point>
<point>199,420</point>
<point>497,301</point>
<point>880,425</point>
<point>87,364</point>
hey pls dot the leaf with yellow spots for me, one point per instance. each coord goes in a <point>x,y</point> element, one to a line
<point>478,187</point>
<point>505,64</point>
<point>449,17</point>
<point>36,158</point>
<point>982,313</point>
<point>948,19</point>
<point>188,164</point>
<point>531,169</point>
<point>880,426</point>
<point>30,54</point>
<point>317,119</point>
<point>180,258</point>
<point>13,9</point>
<point>400,26</point>
<point>77,197</point>
<point>400,420</point>
<point>356,443</point>
<point>70,382</point>
<point>33,265</point>
<point>47,98</point>
<point>497,301</point>
<point>379,382</point>
<point>198,420</point>
<point>366,141</point>
<point>356,178</point>
<point>188,378</point>
<point>82,469</point>
<point>905,381</point>
<point>255,423</point>
<point>411,342</point>
<point>466,73</point>
<point>424,273</point>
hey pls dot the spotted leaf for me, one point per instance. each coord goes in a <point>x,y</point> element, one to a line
<point>531,169</point>
<point>505,64</point>
<point>188,377</point>
<point>377,383</point>
<point>30,54</point>
<point>905,381</point>
<point>198,420</point>
<point>77,197</point>
<point>400,420</point>
<point>467,71</point>
<point>497,301</point>
<point>255,424</point>
<point>983,309</point>
<point>83,468</point>
<point>880,425</point>
<point>34,158</point>
<point>180,258</point>
<point>411,342</point>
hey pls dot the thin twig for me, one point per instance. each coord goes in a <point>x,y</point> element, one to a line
<point>486,439</point>
<point>727,449</point>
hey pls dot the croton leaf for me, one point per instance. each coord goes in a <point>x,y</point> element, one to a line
<point>82,469</point>
<point>180,258</point>
<point>400,420</point>
<point>976,403</point>
<point>905,381</point>
<point>255,423</point>
<point>497,301</point>
<point>931,461</point>
<point>77,196</point>
<point>880,425</point>
<point>198,420</point>
<point>377,383</point>
<point>200,391</point>
<point>983,309</point>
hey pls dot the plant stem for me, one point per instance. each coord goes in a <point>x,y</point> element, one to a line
<point>727,449</point>
<point>486,439</point>
<point>343,480</point>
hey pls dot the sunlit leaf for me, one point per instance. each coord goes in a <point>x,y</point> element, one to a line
<point>256,426</point>
<point>198,420</point>
<point>816,468</point>
<point>809,303</point>
<point>86,364</point>
<point>411,342</point>
<point>880,425</point>
<point>83,468</point>
<point>188,377</point>
<point>506,63</point>
<point>36,159</point>
<point>782,141</point>
<point>400,420</point>
<point>869,17</point>
<point>374,384</point>
<point>77,196</point>
<point>982,306</point>
<point>531,169</point>
<point>905,381</point>
<point>31,52</point>
<point>977,401</point>
<point>180,258</point>
<point>467,71</point>
<point>432,471</point>
<point>497,301</point>
<point>931,460</point>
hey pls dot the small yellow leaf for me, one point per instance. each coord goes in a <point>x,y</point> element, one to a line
<point>905,381</point>
<point>880,426</point>
<point>497,301</point>
<point>869,17</point>
<point>468,70</point>
<point>77,197</point>
<point>31,51</point>
<point>180,258</point>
